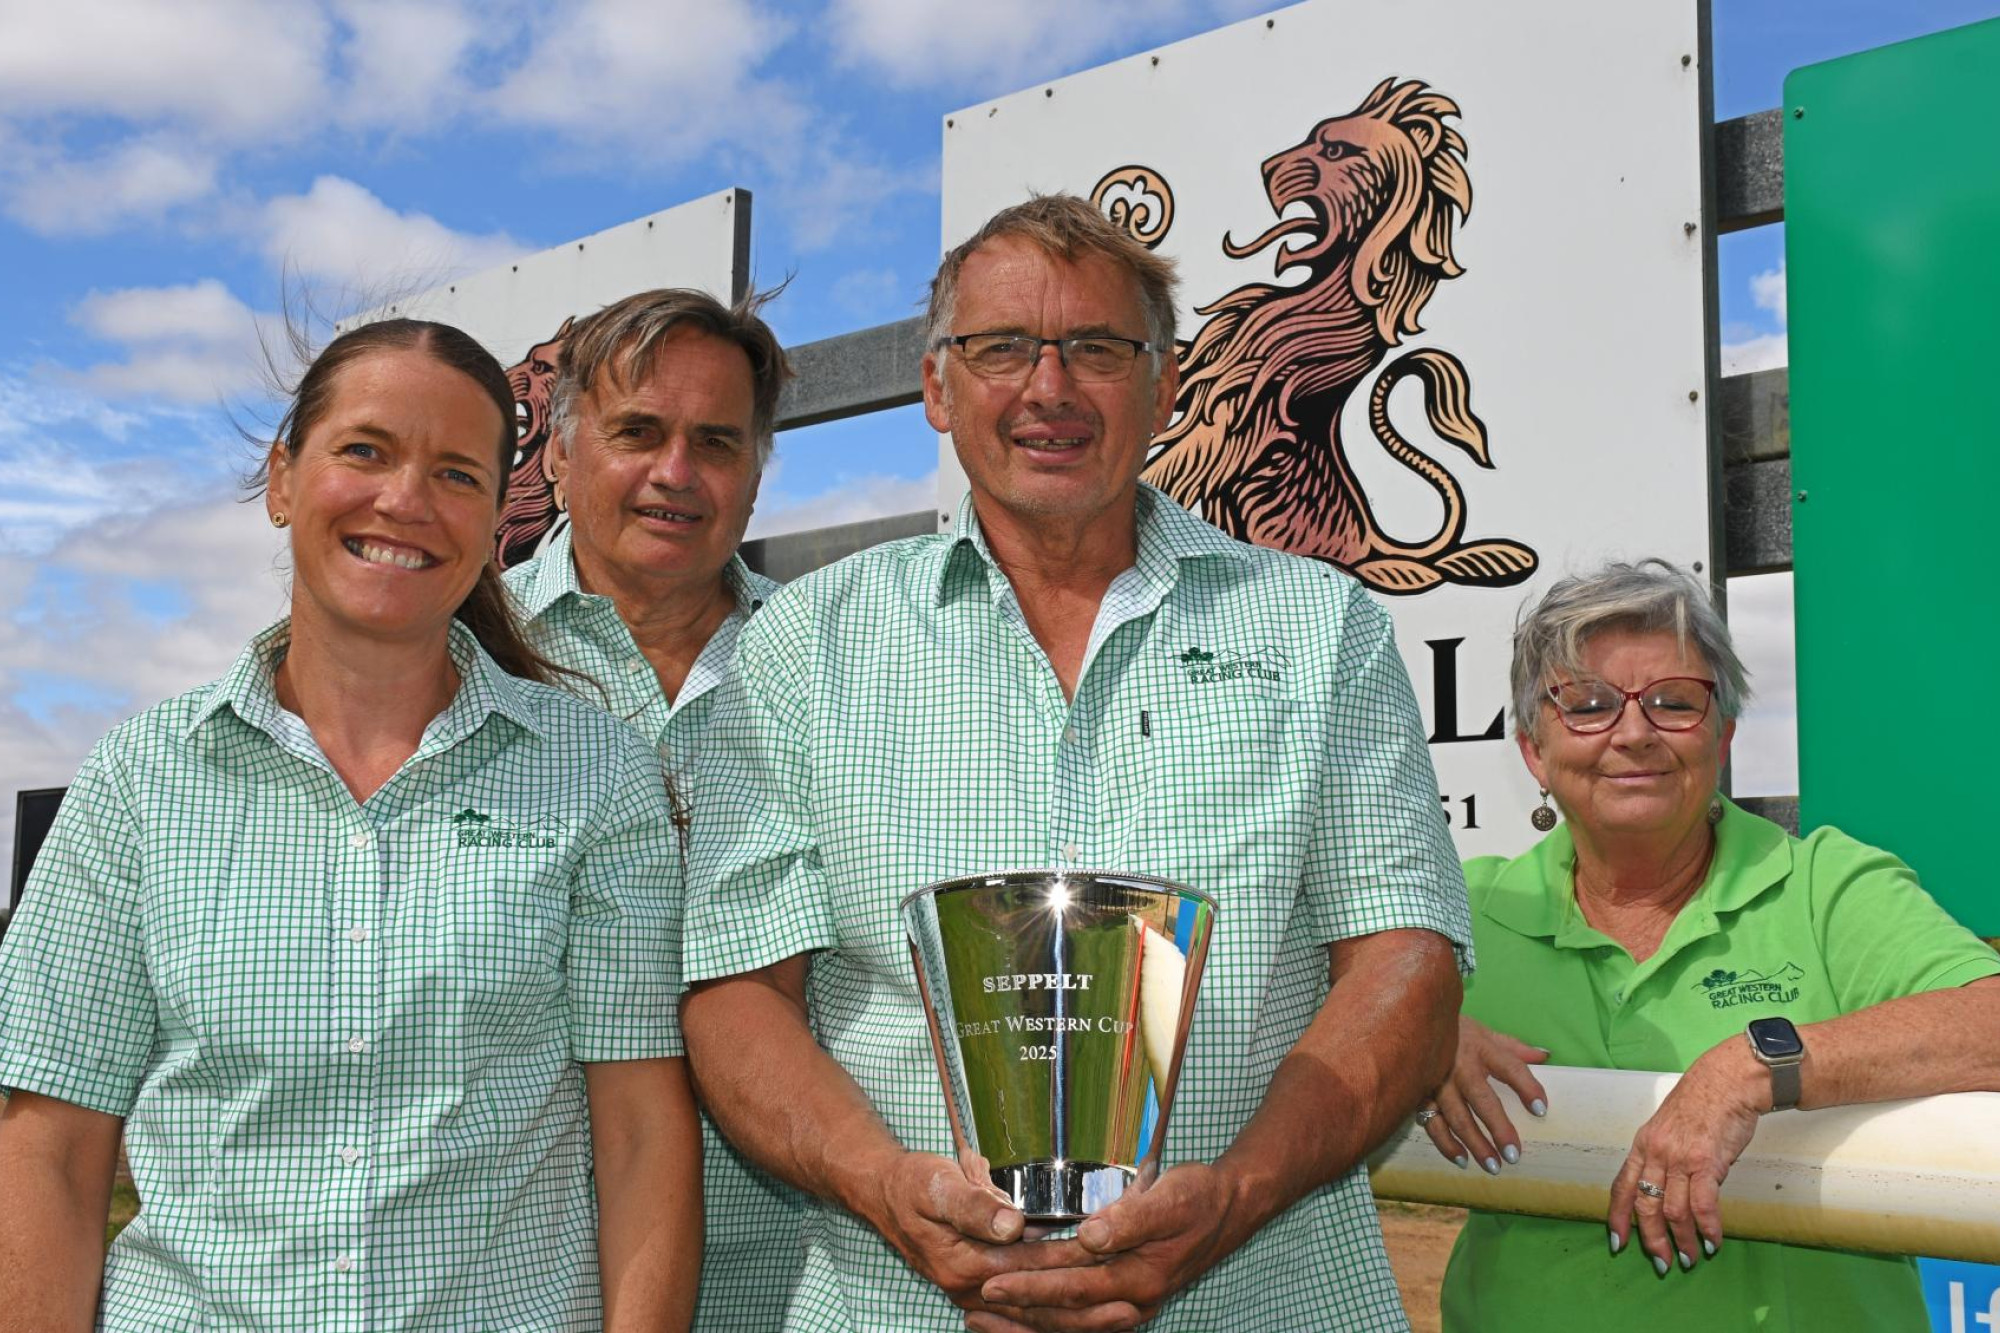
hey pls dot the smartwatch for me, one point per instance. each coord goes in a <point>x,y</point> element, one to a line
<point>1775,1043</point>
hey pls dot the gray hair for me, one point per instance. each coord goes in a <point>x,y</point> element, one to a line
<point>1069,228</point>
<point>1649,596</point>
<point>620,339</point>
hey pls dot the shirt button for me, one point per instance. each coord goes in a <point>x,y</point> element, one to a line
<point>1069,851</point>
<point>635,666</point>
<point>359,840</point>
<point>359,934</point>
<point>344,1264</point>
<point>1069,735</point>
<point>356,1045</point>
<point>350,1155</point>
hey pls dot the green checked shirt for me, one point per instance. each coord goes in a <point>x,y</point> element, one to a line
<point>1242,724</point>
<point>750,1251</point>
<point>345,1038</point>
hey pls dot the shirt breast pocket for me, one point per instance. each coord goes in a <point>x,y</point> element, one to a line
<point>1227,771</point>
<point>507,929</point>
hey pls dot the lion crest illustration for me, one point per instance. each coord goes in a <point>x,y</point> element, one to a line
<point>1369,200</point>
<point>534,500</point>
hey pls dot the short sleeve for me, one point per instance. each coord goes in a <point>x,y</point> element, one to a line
<point>1381,856</point>
<point>624,956</point>
<point>1881,935</point>
<point>757,893</point>
<point>78,1017</point>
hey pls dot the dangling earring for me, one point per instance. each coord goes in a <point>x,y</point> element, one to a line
<point>279,520</point>
<point>1715,810</point>
<point>1543,816</point>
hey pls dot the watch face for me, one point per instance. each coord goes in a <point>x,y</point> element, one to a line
<point>1776,1038</point>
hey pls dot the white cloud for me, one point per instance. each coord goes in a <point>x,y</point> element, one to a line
<point>55,195</point>
<point>216,553</point>
<point>827,197</point>
<point>1765,757</point>
<point>1767,289</point>
<point>341,231</point>
<point>923,43</point>
<point>1763,352</point>
<point>849,502</point>
<point>406,60</point>
<point>242,70</point>
<point>661,80</point>
<point>195,343</point>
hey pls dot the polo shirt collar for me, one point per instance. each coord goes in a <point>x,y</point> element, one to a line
<point>1533,894</point>
<point>1167,533</point>
<point>554,578</point>
<point>249,688</point>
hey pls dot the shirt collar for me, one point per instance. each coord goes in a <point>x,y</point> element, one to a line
<point>1534,895</point>
<point>553,577</point>
<point>1168,534</point>
<point>249,687</point>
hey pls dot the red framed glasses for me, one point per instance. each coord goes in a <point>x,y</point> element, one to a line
<point>1672,703</point>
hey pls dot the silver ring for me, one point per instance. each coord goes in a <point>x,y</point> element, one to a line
<point>1428,1114</point>
<point>1651,1191</point>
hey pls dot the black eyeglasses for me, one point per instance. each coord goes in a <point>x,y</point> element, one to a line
<point>1008,356</point>
<point>1673,703</point>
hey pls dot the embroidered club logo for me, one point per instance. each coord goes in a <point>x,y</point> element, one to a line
<point>1203,667</point>
<point>475,829</point>
<point>1727,990</point>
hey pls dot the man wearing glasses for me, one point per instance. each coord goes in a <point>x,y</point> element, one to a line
<point>1075,673</point>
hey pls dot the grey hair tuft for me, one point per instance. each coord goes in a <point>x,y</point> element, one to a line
<point>1071,229</point>
<point>1649,596</point>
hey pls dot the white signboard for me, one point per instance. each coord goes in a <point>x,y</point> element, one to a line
<point>1483,217</point>
<point>521,310</point>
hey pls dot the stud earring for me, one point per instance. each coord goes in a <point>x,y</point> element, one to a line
<point>1543,816</point>
<point>1715,810</point>
<point>279,520</point>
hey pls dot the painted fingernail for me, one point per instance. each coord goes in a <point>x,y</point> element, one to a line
<point>1617,1242</point>
<point>1491,1166</point>
<point>1511,1153</point>
<point>1686,1263</point>
<point>1460,1161</point>
<point>1538,1107</point>
<point>1708,1247</point>
<point>1659,1264</point>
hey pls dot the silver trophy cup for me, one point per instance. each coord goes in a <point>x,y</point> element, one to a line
<point>1059,1004</point>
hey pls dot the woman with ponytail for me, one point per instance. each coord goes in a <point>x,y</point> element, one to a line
<point>370,949</point>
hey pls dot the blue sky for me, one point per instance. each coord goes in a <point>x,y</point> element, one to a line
<point>164,168</point>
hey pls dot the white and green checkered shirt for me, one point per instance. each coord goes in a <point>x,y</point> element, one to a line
<point>1242,724</point>
<point>750,1250</point>
<point>345,1038</point>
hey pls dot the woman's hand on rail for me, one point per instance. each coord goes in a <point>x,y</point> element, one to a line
<point>1471,1125</point>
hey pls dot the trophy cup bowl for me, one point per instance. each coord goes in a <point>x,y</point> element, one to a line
<point>1059,1005</point>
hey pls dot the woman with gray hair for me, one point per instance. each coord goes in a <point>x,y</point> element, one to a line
<point>1660,927</point>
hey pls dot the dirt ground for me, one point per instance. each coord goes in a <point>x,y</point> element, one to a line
<point>1419,1238</point>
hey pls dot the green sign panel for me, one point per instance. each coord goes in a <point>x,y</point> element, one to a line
<point>1892,243</point>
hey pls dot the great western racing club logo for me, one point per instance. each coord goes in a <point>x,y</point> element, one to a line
<point>481,830</point>
<point>1203,667</point>
<point>1259,446</point>
<point>1727,990</point>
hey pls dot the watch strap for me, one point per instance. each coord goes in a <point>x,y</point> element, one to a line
<point>1785,1083</point>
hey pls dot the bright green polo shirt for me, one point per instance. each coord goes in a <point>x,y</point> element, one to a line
<point>1807,929</point>
<point>345,1038</point>
<point>750,1251</point>
<point>1242,724</point>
